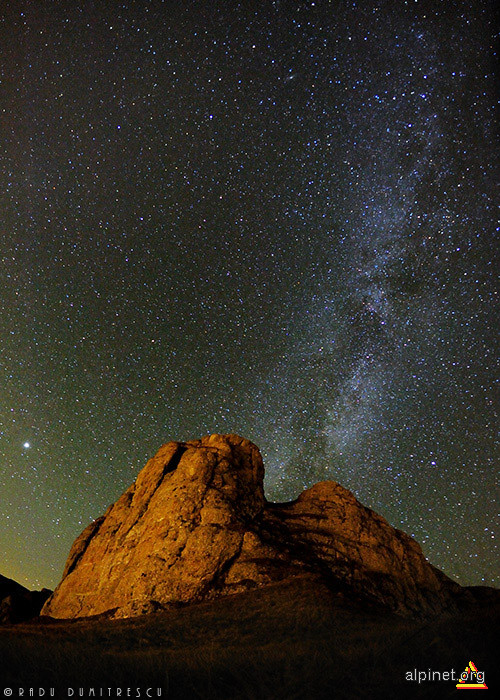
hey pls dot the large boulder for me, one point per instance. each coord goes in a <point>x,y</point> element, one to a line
<point>195,525</point>
<point>359,551</point>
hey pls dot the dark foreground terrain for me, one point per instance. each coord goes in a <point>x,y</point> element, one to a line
<point>283,642</point>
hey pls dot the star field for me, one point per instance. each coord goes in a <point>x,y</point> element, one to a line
<point>273,218</point>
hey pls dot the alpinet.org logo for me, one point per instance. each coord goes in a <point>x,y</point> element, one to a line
<point>471,678</point>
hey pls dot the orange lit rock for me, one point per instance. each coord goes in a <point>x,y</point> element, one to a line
<point>360,550</point>
<point>195,525</point>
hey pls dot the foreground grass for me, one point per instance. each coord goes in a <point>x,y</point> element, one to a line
<point>283,642</point>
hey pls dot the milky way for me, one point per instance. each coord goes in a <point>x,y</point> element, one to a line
<point>268,218</point>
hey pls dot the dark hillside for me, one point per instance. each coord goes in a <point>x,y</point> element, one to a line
<point>283,642</point>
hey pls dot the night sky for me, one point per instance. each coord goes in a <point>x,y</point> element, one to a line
<point>269,218</point>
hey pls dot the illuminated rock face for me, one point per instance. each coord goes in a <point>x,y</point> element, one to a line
<point>195,525</point>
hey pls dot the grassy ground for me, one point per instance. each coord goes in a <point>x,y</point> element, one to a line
<point>282,643</point>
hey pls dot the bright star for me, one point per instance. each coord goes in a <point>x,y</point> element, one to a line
<point>26,445</point>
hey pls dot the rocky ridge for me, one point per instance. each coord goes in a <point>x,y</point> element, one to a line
<point>196,525</point>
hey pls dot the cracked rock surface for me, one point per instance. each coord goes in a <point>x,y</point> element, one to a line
<point>196,525</point>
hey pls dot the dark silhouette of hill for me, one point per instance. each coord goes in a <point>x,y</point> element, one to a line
<point>17,603</point>
<point>290,640</point>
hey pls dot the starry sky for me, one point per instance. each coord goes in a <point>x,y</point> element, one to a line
<point>270,218</point>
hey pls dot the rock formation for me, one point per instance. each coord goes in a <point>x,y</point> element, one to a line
<point>196,525</point>
<point>17,603</point>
